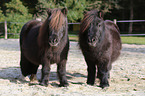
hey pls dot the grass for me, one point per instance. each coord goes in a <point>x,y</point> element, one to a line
<point>124,39</point>
<point>73,38</point>
<point>133,40</point>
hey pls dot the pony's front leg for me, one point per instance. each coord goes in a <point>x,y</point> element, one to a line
<point>61,71</point>
<point>33,79</point>
<point>103,71</point>
<point>45,73</point>
<point>91,74</point>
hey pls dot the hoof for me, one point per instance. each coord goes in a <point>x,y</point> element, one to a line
<point>104,85</point>
<point>34,82</point>
<point>90,83</point>
<point>43,84</point>
<point>63,85</point>
<point>23,78</point>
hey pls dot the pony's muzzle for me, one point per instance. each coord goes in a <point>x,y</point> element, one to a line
<point>53,41</point>
<point>92,41</point>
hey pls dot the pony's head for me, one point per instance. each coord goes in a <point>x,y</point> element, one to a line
<point>57,25</point>
<point>93,25</point>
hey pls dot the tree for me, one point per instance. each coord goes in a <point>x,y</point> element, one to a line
<point>131,17</point>
<point>16,12</point>
<point>75,7</point>
<point>42,6</point>
<point>130,10</point>
<point>30,4</point>
<point>2,5</point>
<point>2,17</point>
<point>104,5</point>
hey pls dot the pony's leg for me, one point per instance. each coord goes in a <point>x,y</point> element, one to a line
<point>103,72</point>
<point>91,72</point>
<point>45,72</point>
<point>33,77</point>
<point>98,75</point>
<point>27,68</point>
<point>61,71</point>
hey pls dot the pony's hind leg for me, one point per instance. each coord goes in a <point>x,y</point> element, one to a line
<point>27,68</point>
<point>61,71</point>
<point>33,77</point>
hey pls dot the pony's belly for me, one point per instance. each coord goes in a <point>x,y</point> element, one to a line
<point>32,56</point>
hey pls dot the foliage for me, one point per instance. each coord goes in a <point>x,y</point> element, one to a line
<point>104,5</point>
<point>42,6</point>
<point>75,7</point>
<point>18,13</point>
<point>2,17</point>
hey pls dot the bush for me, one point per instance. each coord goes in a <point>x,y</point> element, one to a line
<point>2,18</point>
<point>16,15</point>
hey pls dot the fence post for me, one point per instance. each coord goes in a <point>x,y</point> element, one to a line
<point>115,21</point>
<point>5,24</point>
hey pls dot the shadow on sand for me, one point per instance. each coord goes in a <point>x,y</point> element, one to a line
<point>13,74</point>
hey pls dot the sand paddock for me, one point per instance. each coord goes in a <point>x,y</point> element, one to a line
<point>127,74</point>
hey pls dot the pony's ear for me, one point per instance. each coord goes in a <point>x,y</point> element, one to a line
<point>64,11</point>
<point>100,14</point>
<point>49,11</point>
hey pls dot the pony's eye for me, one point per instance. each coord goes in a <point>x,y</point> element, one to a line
<point>99,25</point>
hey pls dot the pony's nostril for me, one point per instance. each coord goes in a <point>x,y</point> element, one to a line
<point>55,41</point>
<point>93,39</point>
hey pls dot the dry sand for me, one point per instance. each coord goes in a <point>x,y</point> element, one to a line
<point>127,74</point>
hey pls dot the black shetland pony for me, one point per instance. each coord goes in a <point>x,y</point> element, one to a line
<point>100,43</point>
<point>45,43</point>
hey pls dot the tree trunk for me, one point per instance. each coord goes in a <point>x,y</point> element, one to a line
<point>131,17</point>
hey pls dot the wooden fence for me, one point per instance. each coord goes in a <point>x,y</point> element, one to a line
<point>128,21</point>
<point>115,21</point>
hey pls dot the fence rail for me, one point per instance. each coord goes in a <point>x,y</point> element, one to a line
<point>128,21</point>
<point>115,21</point>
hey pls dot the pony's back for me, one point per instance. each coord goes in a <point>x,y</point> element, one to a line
<point>26,28</point>
<point>116,40</point>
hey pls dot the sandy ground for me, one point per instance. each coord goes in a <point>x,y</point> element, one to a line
<point>127,74</point>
